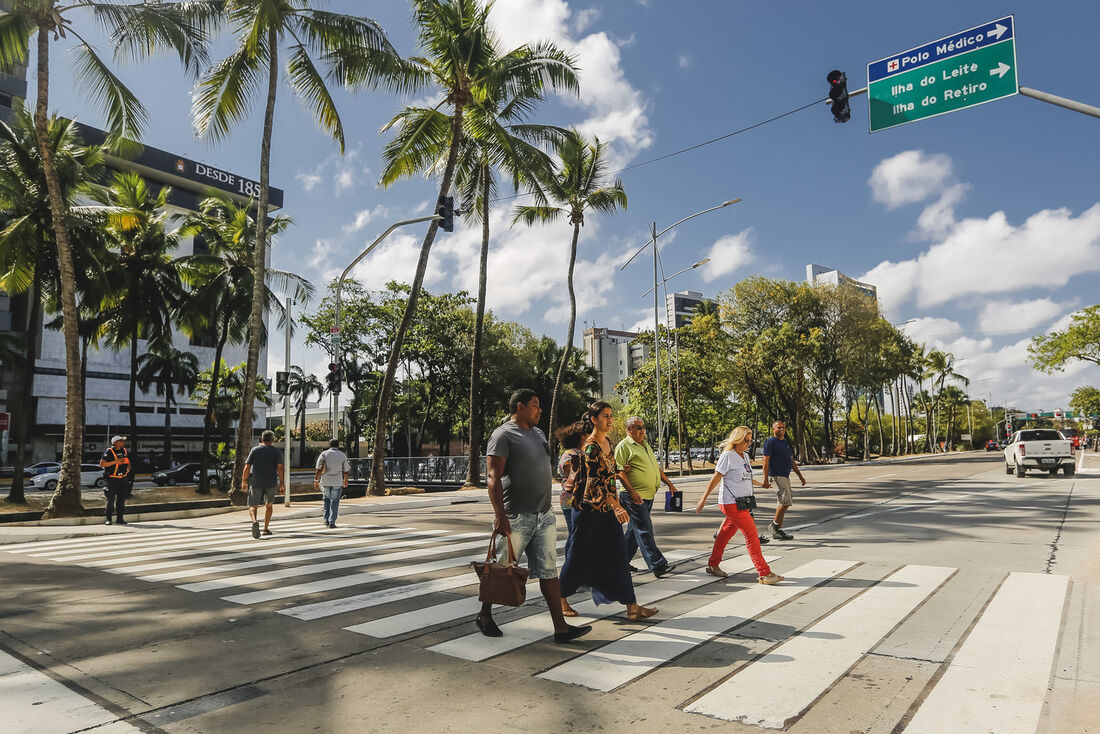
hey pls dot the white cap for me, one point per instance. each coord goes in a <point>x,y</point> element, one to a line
<point>118,438</point>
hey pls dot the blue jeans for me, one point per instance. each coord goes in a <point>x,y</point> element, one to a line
<point>568,512</point>
<point>331,496</point>
<point>536,534</point>
<point>639,533</point>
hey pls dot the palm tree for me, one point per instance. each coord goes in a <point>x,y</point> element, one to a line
<point>302,387</point>
<point>461,58</point>
<point>576,184</point>
<point>220,286</point>
<point>496,139</point>
<point>350,49</point>
<point>223,403</point>
<point>940,367</point>
<point>28,253</point>
<point>167,368</point>
<point>146,288</point>
<point>136,30</point>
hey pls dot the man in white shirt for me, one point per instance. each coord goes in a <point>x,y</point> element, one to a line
<point>333,468</point>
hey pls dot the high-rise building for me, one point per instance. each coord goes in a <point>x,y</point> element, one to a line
<point>821,275</point>
<point>680,307</point>
<point>614,355</point>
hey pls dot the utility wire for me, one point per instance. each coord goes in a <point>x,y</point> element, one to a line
<point>693,147</point>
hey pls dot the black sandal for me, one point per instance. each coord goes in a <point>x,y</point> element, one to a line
<point>489,629</point>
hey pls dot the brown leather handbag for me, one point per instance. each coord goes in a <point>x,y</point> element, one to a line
<point>504,584</point>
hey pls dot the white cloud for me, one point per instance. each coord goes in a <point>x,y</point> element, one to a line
<point>684,60</point>
<point>365,217</point>
<point>309,180</point>
<point>1005,317</point>
<point>615,110</point>
<point>728,254</point>
<point>927,328</point>
<point>909,177</point>
<point>344,172</point>
<point>585,18</point>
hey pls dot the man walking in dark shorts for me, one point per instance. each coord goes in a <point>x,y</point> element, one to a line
<point>518,459</point>
<point>264,467</point>
<point>778,463</point>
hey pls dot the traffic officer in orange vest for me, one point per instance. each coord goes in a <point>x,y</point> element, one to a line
<point>120,478</point>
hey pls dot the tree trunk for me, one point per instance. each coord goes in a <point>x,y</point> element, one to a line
<point>211,402</point>
<point>259,272</point>
<point>378,478</point>
<point>66,499</point>
<point>302,436</point>
<point>25,416</point>
<point>878,411</point>
<point>473,470</point>
<point>567,351</point>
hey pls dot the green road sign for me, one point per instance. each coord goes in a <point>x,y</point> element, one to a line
<point>962,70</point>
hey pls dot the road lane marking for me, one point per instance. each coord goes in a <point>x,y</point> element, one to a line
<point>787,680</point>
<point>425,617</point>
<point>998,679</point>
<point>246,549</point>
<point>259,578</point>
<point>322,549</point>
<point>631,657</point>
<point>134,535</point>
<point>476,647</point>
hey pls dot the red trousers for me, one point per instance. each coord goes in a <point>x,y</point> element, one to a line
<point>738,520</point>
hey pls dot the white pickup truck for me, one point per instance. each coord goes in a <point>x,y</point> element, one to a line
<point>1043,449</point>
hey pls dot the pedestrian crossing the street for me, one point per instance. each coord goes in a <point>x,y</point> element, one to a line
<point>389,583</point>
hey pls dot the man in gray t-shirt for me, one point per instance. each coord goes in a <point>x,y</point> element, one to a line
<point>527,478</point>
<point>263,475</point>
<point>518,459</point>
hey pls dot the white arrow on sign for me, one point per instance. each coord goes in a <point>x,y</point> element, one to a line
<point>998,31</point>
<point>1001,70</point>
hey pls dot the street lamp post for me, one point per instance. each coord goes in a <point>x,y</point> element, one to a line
<point>676,351</point>
<point>654,234</point>
<point>286,409</point>
<point>336,321</point>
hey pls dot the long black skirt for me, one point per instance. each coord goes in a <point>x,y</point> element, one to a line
<point>597,558</point>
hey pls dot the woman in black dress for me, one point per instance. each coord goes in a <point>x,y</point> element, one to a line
<point>597,556</point>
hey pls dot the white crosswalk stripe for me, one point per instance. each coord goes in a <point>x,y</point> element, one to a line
<point>784,682</point>
<point>633,656</point>
<point>998,679</point>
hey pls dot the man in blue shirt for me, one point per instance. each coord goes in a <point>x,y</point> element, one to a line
<point>778,464</point>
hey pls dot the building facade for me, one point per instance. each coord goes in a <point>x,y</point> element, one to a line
<point>108,372</point>
<point>821,275</point>
<point>680,307</point>
<point>614,355</point>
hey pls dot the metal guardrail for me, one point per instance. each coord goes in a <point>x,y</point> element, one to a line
<point>417,469</point>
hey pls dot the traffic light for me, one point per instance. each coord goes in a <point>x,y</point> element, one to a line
<point>282,383</point>
<point>333,378</point>
<point>838,93</point>
<point>446,209</point>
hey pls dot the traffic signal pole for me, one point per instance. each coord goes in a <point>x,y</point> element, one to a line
<point>286,412</point>
<point>336,348</point>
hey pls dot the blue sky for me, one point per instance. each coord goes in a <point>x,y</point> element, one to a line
<point>981,226</point>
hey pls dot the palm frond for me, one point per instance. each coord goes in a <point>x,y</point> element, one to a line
<point>223,97</point>
<point>530,215</point>
<point>304,79</point>
<point>16,29</point>
<point>422,141</point>
<point>142,29</point>
<point>126,116</point>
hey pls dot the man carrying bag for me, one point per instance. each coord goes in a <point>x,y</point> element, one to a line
<point>520,479</point>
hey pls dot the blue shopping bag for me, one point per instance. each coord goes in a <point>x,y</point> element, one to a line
<point>674,501</point>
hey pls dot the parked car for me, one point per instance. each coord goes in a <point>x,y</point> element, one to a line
<point>212,477</point>
<point>992,445</point>
<point>41,467</point>
<point>172,477</point>
<point>1039,448</point>
<point>91,475</point>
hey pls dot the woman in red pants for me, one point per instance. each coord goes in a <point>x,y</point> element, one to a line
<point>734,473</point>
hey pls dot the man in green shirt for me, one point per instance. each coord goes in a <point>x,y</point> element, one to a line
<point>640,474</point>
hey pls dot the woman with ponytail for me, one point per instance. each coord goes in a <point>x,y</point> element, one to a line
<point>597,554</point>
<point>734,472</point>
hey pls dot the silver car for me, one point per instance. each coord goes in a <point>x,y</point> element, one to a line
<point>91,475</point>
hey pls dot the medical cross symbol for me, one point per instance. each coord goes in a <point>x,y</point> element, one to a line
<point>892,65</point>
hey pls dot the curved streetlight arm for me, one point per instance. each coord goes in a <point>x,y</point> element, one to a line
<point>339,287</point>
<point>692,216</point>
<point>702,262</point>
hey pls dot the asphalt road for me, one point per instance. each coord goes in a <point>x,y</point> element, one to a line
<point>931,595</point>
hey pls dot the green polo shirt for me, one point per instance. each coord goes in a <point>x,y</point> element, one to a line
<point>643,475</point>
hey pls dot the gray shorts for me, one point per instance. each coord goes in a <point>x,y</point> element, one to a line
<point>783,491</point>
<point>261,496</point>
<point>536,534</point>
